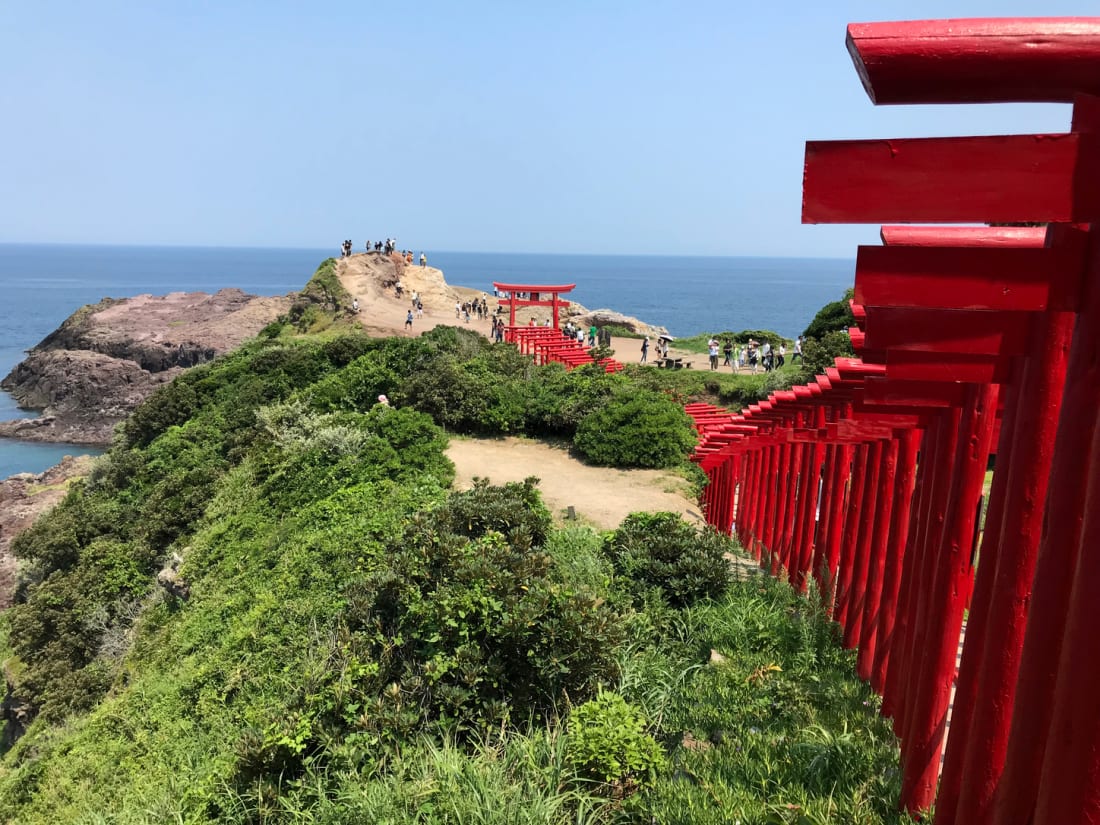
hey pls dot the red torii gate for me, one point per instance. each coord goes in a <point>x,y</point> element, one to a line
<point>947,315</point>
<point>534,290</point>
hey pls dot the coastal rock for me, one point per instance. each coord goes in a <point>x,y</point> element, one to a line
<point>23,498</point>
<point>607,317</point>
<point>107,358</point>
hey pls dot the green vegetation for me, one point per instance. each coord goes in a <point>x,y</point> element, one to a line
<point>826,338</point>
<point>264,605</point>
<point>698,343</point>
<point>835,316</point>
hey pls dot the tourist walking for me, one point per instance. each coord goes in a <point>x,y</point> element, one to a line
<point>727,352</point>
<point>409,319</point>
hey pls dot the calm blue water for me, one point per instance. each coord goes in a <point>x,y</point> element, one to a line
<point>42,285</point>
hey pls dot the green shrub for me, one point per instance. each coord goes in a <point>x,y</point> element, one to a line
<point>514,510</point>
<point>663,551</point>
<point>607,742</point>
<point>470,632</point>
<point>640,429</point>
<point>817,354</point>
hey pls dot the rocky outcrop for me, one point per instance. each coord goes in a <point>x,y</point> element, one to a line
<point>23,498</point>
<point>606,317</point>
<point>106,358</point>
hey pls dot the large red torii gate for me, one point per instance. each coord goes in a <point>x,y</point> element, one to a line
<point>533,290</point>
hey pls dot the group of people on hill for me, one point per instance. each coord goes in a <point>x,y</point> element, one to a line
<point>752,354</point>
<point>386,247</point>
<point>477,307</point>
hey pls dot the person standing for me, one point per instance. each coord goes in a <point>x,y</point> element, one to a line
<point>423,259</point>
<point>727,353</point>
<point>645,349</point>
<point>712,351</point>
<point>797,349</point>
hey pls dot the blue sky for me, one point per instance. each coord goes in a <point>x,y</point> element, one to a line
<point>591,127</point>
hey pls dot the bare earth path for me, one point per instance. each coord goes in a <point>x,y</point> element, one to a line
<point>601,496</point>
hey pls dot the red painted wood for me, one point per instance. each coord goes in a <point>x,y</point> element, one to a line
<point>1029,472</point>
<point>1069,789</point>
<point>930,330</point>
<point>888,391</point>
<point>790,511</point>
<point>776,540</point>
<point>849,429</point>
<point>815,460</point>
<point>909,365</point>
<point>947,601</point>
<point>819,565</point>
<point>899,661</point>
<point>930,526</point>
<point>767,505</point>
<point>977,60</point>
<point>952,180</point>
<point>745,520</point>
<point>964,278</point>
<point>512,289</point>
<point>841,482</point>
<point>888,415</point>
<point>997,236</point>
<point>861,555</point>
<point>1060,546</point>
<point>895,557</point>
<point>973,649</point>
<point>852,516</point>
<point>877,557</point>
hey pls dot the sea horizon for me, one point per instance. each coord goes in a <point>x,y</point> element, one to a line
<point>336,252</point>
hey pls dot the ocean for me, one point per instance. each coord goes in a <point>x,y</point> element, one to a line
<point>44,284</point>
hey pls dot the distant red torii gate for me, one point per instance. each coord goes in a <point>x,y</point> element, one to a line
<point>534,290</point>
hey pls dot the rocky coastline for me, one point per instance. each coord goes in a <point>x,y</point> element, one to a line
<point>106,358</point>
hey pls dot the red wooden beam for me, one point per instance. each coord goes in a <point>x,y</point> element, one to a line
<point>532,288</point>
<point>1007,178</point>
<point>992,278</point>
<point>1006,237</point>
<point>945,366</point>
<point>977,61</point>
<point>960,331</point>
<point>912,393</point>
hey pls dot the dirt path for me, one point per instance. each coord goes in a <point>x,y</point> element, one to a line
<point>601,496</point>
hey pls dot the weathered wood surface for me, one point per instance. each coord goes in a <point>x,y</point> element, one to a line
<point>977,60</point>
<point>1010,178</point>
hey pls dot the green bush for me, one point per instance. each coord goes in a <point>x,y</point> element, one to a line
<point>471,632</point>
<point>817,354</point>
<point>662,550</point>
<point>640,429</point>
<point>607,742</point>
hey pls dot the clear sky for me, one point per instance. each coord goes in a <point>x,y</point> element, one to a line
<point>591,127</point>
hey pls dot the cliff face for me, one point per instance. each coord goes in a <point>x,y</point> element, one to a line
<point>106,358</point>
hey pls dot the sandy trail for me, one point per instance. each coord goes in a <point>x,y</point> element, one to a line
<point>601,496</point>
